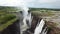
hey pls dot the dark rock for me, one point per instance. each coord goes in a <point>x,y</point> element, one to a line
<point>12,29</point>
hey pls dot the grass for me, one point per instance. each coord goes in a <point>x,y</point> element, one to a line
<point>6,18</point>
<point>2,27</point>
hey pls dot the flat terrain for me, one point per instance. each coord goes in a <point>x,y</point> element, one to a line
<point>50,15</point>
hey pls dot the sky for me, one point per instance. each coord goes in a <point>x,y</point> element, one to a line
<point>32,3</point>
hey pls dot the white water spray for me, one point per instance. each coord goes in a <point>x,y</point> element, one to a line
<point>26,16</point>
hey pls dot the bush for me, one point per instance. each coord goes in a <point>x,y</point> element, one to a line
<point>6,18</point>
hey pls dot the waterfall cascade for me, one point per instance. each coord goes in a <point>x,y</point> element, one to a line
<point>41,28</point>
<point>27,22</point>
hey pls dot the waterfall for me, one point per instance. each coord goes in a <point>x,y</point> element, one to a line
<point>29,19</point>
<point>45,30</point>
<point>27,24</point>
<point>39,27</point>
<point>26,17</point>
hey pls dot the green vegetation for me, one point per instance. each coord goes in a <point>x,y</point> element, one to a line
<point>37,9</point>
<point>44,11</point>
<point>8,9</point>
<point>7,17</point>
<point>3,26</point>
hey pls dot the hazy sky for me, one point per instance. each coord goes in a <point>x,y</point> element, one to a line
<point>32,3</point>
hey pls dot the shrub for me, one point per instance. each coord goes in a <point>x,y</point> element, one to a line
<point>6,18</point>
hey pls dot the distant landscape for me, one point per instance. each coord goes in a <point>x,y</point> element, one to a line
<point>45,9</point>
<point>8,15</point>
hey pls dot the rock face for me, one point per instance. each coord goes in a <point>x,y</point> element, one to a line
<point>34,23</point>
<point>12,29</point>
<point>52,28</point>
<point>54,31</point>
